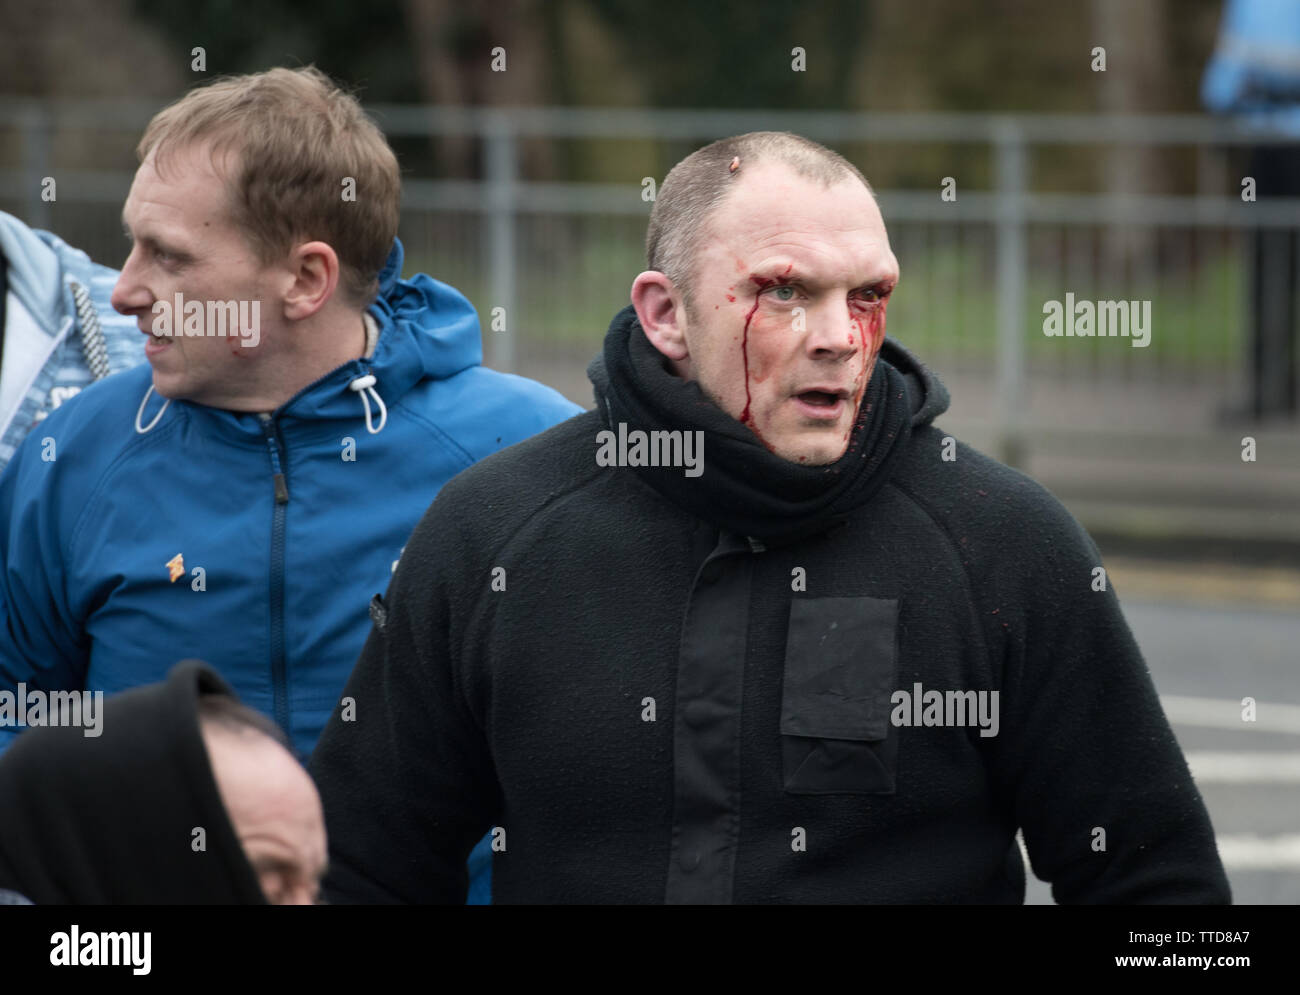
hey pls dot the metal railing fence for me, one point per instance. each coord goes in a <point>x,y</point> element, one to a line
<point>559,256</point>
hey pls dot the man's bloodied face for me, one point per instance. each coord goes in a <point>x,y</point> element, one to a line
<point>789,291</point>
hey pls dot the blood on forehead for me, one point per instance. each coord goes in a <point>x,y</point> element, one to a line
<point>763,282</point>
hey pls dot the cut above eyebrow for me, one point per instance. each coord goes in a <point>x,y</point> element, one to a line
<point>779,275</point>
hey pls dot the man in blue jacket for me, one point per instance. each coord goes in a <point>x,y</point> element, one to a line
<point>242,497</point>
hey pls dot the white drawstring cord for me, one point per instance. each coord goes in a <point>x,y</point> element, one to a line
<point>140,412</point>
<point>366,386</point>
<point>362,385</point>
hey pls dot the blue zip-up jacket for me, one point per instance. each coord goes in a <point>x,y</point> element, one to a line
<point>281,527</point>
<point>60,335</point>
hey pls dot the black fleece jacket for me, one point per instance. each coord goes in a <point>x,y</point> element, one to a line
<point>656,687</point>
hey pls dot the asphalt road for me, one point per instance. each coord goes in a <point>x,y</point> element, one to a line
<point>1205,658</point>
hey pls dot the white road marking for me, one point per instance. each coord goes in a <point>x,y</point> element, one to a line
<point>1248,852</point>
<point>1225,713</point>
<point>1244,767</point>
<point>1240,851</point>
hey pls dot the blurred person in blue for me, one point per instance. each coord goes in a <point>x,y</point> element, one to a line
<point>58,331</point>
<point>1254,75</point>
<point>242,496</point>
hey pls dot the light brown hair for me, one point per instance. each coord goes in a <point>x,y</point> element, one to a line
<point>297,137</point>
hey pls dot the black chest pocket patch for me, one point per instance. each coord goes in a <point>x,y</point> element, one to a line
<point>841,666</point>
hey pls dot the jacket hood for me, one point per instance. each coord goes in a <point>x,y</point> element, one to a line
<point>927,395</point>
<point>435,321</point>
<point>427,331</point>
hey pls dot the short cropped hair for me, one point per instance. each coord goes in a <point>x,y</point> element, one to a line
<point>696,186</point>
<point>220,711</point>
<point>299,139</point>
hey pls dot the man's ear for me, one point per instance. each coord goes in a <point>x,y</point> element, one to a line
<point>662,314</point>
<point>314,276</point>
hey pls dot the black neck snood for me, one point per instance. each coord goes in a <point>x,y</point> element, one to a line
<point>745,488</point>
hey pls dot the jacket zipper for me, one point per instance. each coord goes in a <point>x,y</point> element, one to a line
<point>279,666</point>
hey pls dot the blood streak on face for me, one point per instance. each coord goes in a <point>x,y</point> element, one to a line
<point>872,316</point>
<point>745,417</point>
<point>762,283</point>
<point>869,316</point>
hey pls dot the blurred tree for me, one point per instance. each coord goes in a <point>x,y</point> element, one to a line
<point>77,50</point>
<point>1136,79</point>
<point>365,45</point>
<point>498,54</point>
<point>737,53</point>
<point>81,48</point>
<point>1013,55</point>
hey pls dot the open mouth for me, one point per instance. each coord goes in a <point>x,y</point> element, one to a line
<point>822,405</point>
<point>819,398</point>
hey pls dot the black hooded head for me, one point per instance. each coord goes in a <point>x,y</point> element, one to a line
<point>111,819</point>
